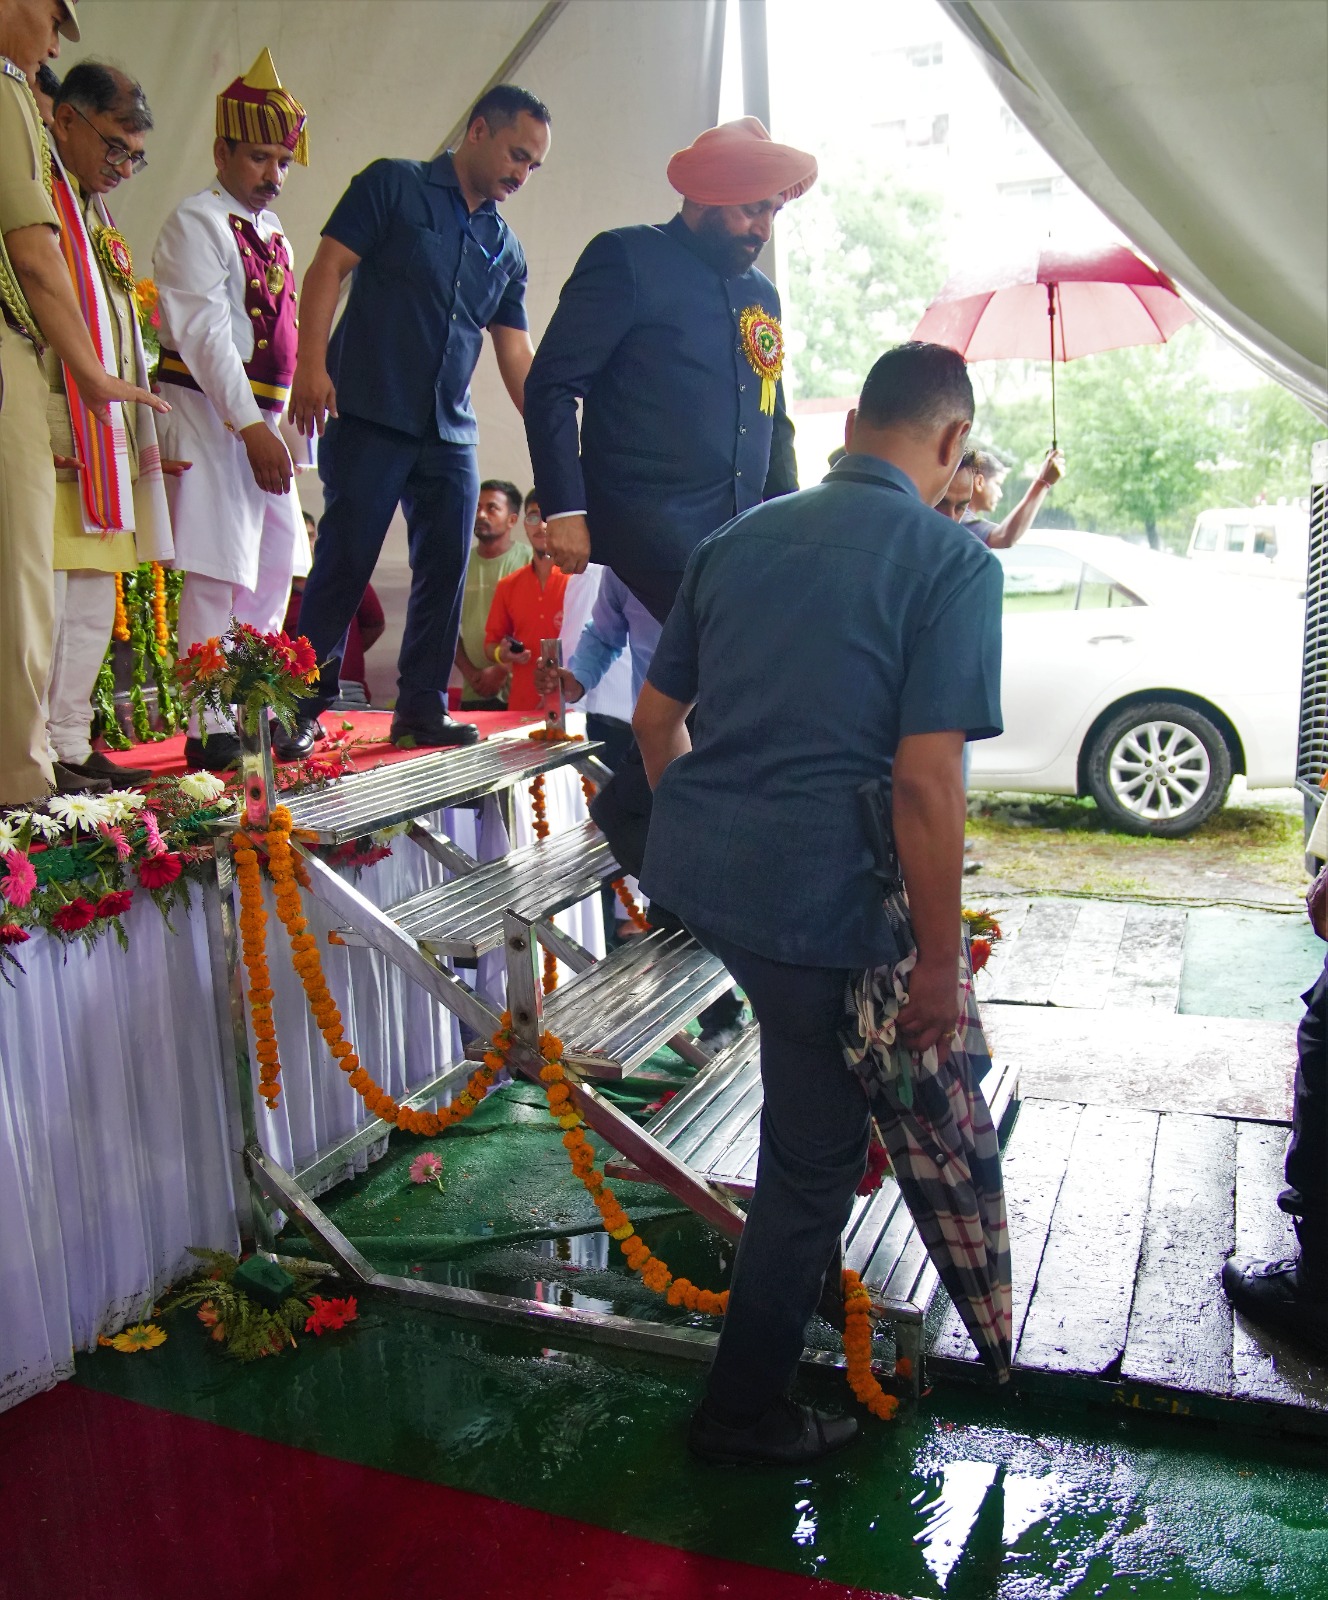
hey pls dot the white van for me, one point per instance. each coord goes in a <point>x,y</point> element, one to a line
<point>1259,541</point>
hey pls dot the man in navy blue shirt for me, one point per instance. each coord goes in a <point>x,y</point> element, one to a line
<point>823,638</point>
<point>670,338</point>
<point>435,265</point>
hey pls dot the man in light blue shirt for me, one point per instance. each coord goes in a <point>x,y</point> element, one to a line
<point>825,639</point>
<point>618,621</point>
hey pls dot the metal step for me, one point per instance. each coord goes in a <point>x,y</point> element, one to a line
<point>364,801</point>
<point>616,1015</point>
<point>713,1126</point>
<point>464,918</point>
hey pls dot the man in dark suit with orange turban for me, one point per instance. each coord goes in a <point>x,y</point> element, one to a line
<point>670,337</point>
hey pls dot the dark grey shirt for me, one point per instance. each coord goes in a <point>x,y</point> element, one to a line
<point>814,632</point>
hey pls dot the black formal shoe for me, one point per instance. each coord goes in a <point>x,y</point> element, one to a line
<point>1272,1295</point>
<point>299,741</point>
<point>70,780</point>
<point>219,754</point>
<point>408,734</point>
<point>788,1434</point>
<point>100,765</point>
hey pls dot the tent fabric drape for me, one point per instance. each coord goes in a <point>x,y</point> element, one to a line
<point>1201,130</point>
<point>115,1146</point>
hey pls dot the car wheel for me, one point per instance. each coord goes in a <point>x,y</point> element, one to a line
<point>1159,768</point>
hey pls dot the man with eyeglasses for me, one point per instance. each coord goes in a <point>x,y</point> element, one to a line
<point>498,551</point>
<point>226,282</point>
<point>38,308</point>
<point>110,507</point>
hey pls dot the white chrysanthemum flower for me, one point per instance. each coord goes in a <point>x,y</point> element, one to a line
<point>202,786</point>
<point>84,811</point>
<point>47,826</point>
<point>123,803</point>
<point>10,828</point>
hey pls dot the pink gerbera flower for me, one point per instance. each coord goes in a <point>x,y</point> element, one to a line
<point>116,836</point>
<point>20,878</point>
<point>427,1168</point>
<point>155,844</point>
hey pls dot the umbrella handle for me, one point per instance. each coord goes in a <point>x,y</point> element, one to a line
<point>1051,326</point>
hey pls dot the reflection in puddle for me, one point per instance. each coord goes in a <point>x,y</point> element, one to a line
<point>976,1509</point>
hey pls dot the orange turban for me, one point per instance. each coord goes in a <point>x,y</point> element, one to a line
<point>737,164</point>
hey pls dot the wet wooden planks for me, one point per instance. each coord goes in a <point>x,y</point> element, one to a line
<point>1086,954</point>
<point>1119,1223</point>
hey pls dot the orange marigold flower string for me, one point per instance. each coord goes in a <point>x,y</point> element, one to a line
<point>160,625</point>
<point>120,627</point>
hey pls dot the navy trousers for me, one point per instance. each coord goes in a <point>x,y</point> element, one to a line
<point>814,1133</point>
<point>367,471</point>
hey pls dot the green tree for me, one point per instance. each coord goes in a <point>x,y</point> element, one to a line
<point>1268,450</point>
<point>863,261</point>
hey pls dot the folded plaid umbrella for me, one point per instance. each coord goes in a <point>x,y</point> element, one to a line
<point>942,1143</point>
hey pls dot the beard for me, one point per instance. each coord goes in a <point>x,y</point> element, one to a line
<point>727,255</point>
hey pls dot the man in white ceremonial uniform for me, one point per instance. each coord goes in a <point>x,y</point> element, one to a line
<point>110,498</point>
<point>226,282</point>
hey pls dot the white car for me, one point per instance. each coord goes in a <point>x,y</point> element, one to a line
<point>1141,679</point>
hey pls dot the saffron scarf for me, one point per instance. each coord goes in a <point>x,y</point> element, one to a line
<point>104,482</point>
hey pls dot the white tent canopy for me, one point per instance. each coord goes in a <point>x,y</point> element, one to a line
<point>1201,130</point>
<point>627,84</point>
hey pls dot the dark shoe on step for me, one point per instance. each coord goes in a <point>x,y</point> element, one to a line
<point>1272,1295</point>
<point>788,1434</point>
<point>426,732</point>
<point>219,754</point>
<point>73,780</point>
<point>100,765</point>
<point>294,745</point>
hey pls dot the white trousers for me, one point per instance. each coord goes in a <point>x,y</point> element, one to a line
<point>84,617</point>
<point>208,605</point>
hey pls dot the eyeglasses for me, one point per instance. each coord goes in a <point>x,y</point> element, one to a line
<point>116,154</point>
<point>534,518</point>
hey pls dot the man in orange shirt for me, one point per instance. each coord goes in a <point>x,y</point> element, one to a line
<point>527,607</point>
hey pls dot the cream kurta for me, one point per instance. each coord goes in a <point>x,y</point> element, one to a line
<point>221,518</point>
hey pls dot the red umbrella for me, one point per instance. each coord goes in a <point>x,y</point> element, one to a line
<point>1068,303</point>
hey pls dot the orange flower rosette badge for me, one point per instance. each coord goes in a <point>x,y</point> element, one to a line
<point>113,252</point>
<point>763,345</point>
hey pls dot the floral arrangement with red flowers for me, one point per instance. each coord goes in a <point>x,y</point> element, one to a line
<point>327,1316</point>
<point>248,672</point>
<point>252,1319</point>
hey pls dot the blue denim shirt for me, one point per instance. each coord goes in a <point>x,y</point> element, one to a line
<point>813,632</point>
<point>617,621</point>
<point>429,281</point>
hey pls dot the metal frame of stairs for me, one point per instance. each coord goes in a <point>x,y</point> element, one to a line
<point>611,1014</point>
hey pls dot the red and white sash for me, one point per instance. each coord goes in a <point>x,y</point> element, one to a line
<point>108,503</point>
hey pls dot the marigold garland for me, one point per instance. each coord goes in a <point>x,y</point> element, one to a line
<point>160,622</point>
<point>288,874</point>
<point>120,627</point>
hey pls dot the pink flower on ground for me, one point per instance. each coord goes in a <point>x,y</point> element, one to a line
<point>427,1168</point>
<point>154,843</point>
<point>20,878</point>
<point>116,836</point>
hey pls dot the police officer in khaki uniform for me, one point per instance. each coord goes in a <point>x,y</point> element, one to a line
<point>39,308</point>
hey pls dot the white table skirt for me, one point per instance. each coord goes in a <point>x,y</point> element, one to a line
<point>114,1137</point>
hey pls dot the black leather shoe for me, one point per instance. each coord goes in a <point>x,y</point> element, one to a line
<point>788,1434</point>
<point>408,734</point>
<point>219,754</point>
<point>100,765</point>
<point>1271,1294</point>
<point>72,780</point>
<point>299,741</point>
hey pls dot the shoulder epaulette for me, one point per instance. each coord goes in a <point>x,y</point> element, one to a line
<point>11,71</point>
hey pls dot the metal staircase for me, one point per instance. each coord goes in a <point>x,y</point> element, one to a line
<point>611,1014</point>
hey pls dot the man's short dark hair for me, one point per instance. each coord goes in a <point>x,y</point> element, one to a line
<point>920,386</point>
<point>93,86</point>
<point>989,465</point>
<point>503,104</point>
<point>48,81</point>
<point>509,489</point>
<point>532,499</point>
<point>968,462</point>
